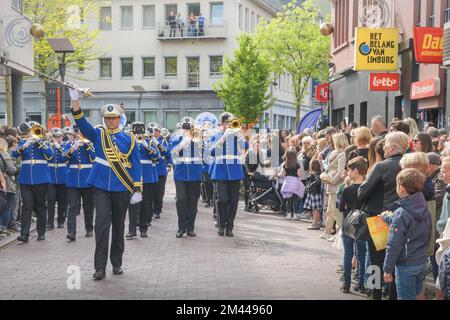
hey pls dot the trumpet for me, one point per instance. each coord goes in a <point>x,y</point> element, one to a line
<point>235,124</point>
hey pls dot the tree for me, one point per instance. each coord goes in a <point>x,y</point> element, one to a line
<point>244,88</point>
<point>64,19</point>
<point>292,43</point>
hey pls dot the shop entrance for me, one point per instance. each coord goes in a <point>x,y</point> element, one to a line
<point>432,115</point>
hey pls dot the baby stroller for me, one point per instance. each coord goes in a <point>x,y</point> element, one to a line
<point>263,193</point>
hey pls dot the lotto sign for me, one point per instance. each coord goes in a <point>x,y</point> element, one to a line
<point>384,81</point>
<point>428,45</point>
<point>376,49</point>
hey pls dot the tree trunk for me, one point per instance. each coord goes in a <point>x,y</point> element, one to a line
<point>9,114</point>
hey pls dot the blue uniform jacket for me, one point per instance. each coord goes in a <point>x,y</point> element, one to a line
<point>187,162</point>
<point>57,166</point>
<point>165,157</point>
<point>148,162</point>
<point>102,176</point>
<point>80,164</point>
<point>227,163</point>
<point>34,168</point>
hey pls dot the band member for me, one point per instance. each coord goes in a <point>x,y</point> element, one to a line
<point>227,172</point>
<point>163,147</point>
<point>58,178</point>
<point>80,155</point>
<point>116,177</point>
<point>34,179</point>
<point>187,159</point>
<point>149,157</point>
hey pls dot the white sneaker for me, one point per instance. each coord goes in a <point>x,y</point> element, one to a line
<point>332,238</point>
<point>324,236</point>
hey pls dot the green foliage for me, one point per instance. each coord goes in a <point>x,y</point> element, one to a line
<point>292,43</point>
<point>63,19</point>
<point>244,88</point>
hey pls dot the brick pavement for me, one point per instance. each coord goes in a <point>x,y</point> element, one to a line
<point>268,258</point>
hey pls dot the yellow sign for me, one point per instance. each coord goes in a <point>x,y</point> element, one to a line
<point>376,49</point>
<point>379,231</point>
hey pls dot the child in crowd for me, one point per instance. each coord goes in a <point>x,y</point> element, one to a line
<point>313,200</point>
<point>409,236</point>
<point>356,169</point>
<point>292,187</point>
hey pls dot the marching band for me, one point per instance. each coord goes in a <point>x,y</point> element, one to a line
<point>119,171</point>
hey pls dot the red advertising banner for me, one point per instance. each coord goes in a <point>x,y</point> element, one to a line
<point>384,82</point>
<point>425,89</point>
<point>428,44</point>
<point>322,93</point>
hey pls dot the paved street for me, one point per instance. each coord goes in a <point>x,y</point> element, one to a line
<point>268,258</point>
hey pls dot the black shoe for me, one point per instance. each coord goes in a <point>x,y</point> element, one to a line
<point>71,237</point>
<point>180,234</point>
<point>89,234</point>
<point>345,289</point>
<point>99,275</point>
<point>191,234</point>
<point>131,236</point>
<point>149,224</point>
<point>50,228</point>
<point>117,271</point>
<point>157,216</point>
<point>60,225</point>
<point>41,237</point>
<point>22,239</point>
<point>221,232</point>
<point>229,233</point>
<point>144,234</point>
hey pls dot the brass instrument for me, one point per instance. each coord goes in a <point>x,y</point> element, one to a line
<point>140,138</point>
<point>37,132</point>
<point>196,135</point>
<point>165,133</point>
<point>235,124</point>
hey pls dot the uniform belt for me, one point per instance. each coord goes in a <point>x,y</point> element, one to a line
<point>57,165</point>
<point>34,161</point>
<point>187,159</point>
<point>229,157</point>
<point>102,161</point>
<point>80,166</point>
<point>146,162</point>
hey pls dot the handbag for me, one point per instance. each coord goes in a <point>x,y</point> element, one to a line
<point>325,178</point>
<point>355,225</point>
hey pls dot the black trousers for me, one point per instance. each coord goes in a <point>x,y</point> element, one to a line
<point>227,202</point>
<point>187,197</point>
<point>247,186</point>
<point>57,193</point>
<point>209,189</point>
<point>74,196</point>
<point>377,258</point>
<point>143,210</point>
<point>111,209</point>
<point>33,199</point>
<point>161,190</point>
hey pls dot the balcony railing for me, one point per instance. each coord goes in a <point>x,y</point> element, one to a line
<point>186,81</point>
<point>188,31</point>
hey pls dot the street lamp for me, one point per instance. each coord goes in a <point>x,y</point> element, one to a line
<point>64,46</point>
<point>141,91</point>
<point>273,84</point>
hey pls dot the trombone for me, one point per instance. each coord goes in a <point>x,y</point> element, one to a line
<point>37,133</point>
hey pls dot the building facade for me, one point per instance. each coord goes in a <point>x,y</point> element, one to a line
<point>175,68</point>
<point>350,98</point>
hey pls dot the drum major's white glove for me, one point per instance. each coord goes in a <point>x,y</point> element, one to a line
<point>136,198</point>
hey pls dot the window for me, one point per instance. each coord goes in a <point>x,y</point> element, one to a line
<point>171,8</point>
<point>447,12</point>
<point>253,22</point>
<point>171,66</point>
<point>81,65</point>
<point>18,5</point>
<point>171,119</point>
<point>215,65</point>
<point>105,18</point>
<point>148,65</point>
<point>431,18</point>
<point>280,122</point>
<point>293,125</point>
<point>247,20</point>
<point>217,14</point>
<point>131,116</point>
<point>419,13</point>
<point>341,22</point>
<point>127,67</point>
<point>149,116</point>
<point>148,16</point>
<point>34,117</point>
<point>193,8</point>
<point>126,13</point>
<point>193,65</point>
<point>193,114</point>
<point>105,68</point>
<point>241,17</point>
<point>363,113</point>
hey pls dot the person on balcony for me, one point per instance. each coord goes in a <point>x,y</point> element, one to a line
<point>192,21</point>
<point>171,19</point>
<point>180,23</point>
<point>201,25</point>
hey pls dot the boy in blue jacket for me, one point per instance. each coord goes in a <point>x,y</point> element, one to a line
<point>409,236</point>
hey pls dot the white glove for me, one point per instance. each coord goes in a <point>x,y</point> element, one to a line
<point>136,198</point>
<point>57,146</point>
<point>74,93</point>
<point>76,145</point>
<point>155,141</point>
<point>145,143</point>
<point>29,142</point>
